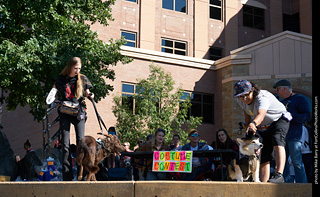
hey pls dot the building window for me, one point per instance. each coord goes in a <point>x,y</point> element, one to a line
<point>173,46</point>
<point>291,22</point>
<point>215,7</point>
<point>130,38</point>
<point>215,53</point>
<point>176,5</point>
<point>128,90</point>
<point>253,17</point>
<point>135,1</point>
<point>202,105</point>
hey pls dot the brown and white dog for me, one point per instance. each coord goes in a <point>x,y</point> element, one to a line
<point>90,153</point>
<point>249,164</point>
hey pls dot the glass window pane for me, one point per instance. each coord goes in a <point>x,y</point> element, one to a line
<point>179,52</point>
<point>167,50</point>
<point>130,44</point>
<point>167,4</point>
<point>215,2</point>
<point>247,9</point>
<point>180,6</point>
<point>196,109</point>
<point>258,12</point>
<point>129,36</point>
<point>258,23</point>
<point>215,53</point>
<point>208,99</point>
<point>215,13</point>
<point>185,96</point>
<point>196,97</point>
<point>139,89</point>
<point>127,100</point>
<point>180,45</point>
<point>247,20</point>
<point>167,43</point>
<point>128,88</point>
<point>207,113</point>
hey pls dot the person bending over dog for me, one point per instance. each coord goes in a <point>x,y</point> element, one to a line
<point>72,86</point>
<point>267,116</point>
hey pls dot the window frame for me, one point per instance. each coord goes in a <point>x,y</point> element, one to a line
<point>133,1</point>
<point>125,94</point>
<point>202,103</point>
<point>174,48</point>
<point>253,17</point>
<point>212,56</point>
<point>218,7</point>
<point>174,6</point>
<point>129,41</point>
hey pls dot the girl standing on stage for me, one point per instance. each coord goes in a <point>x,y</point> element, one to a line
<point>72,87</point>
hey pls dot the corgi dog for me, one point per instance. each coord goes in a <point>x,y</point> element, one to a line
<point>249,164</point>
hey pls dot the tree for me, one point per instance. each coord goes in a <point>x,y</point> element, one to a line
<point>37,38</point>
<point>154,105</point>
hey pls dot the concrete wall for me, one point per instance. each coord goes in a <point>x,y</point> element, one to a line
<point>153,188</point>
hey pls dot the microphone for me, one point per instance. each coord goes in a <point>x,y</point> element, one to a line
<point>51,96</point>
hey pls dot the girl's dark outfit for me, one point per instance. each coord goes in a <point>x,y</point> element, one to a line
<point>67,87</point>
<point>229,145</point>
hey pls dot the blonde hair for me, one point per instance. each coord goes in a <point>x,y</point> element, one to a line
<point>67,70</point>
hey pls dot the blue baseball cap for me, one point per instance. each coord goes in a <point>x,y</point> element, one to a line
<point>242,87</point>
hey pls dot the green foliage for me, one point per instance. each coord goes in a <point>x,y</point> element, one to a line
<point>37,38</point>
<point>157,105</point>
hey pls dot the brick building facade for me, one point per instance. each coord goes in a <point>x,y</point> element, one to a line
<point>207,45</point>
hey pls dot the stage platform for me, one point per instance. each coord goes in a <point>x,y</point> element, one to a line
<point>153,189</point>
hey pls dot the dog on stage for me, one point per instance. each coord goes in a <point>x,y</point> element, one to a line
<point>90,152</point>
<point>249,164</point>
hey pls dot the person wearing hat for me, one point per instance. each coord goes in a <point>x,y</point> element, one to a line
<point>199,164</point>
<point>266,115</point>
<point>299,109</point>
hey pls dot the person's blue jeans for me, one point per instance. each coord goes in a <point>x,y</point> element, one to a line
<point>293,149</point>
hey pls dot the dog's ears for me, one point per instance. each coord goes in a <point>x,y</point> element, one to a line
<point>240,141</point>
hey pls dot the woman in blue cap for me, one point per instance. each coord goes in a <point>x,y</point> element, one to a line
<point>268,117</point>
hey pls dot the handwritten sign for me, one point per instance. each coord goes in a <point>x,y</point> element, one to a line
<point>172,161</point>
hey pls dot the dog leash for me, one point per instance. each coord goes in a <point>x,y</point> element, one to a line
<point>98,116</point>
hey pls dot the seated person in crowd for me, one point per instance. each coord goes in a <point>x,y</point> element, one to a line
<point>156,144</point>
<point>29,163</point>
<point>140,143</point>
<point>223,141</point>
<point>113,159</point>
<point>124,159</point>
<point>137,167</point>
<point>176,143</point>
<point>199,164</point>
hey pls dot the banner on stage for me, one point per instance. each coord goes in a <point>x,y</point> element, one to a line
<point>172,161</point>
